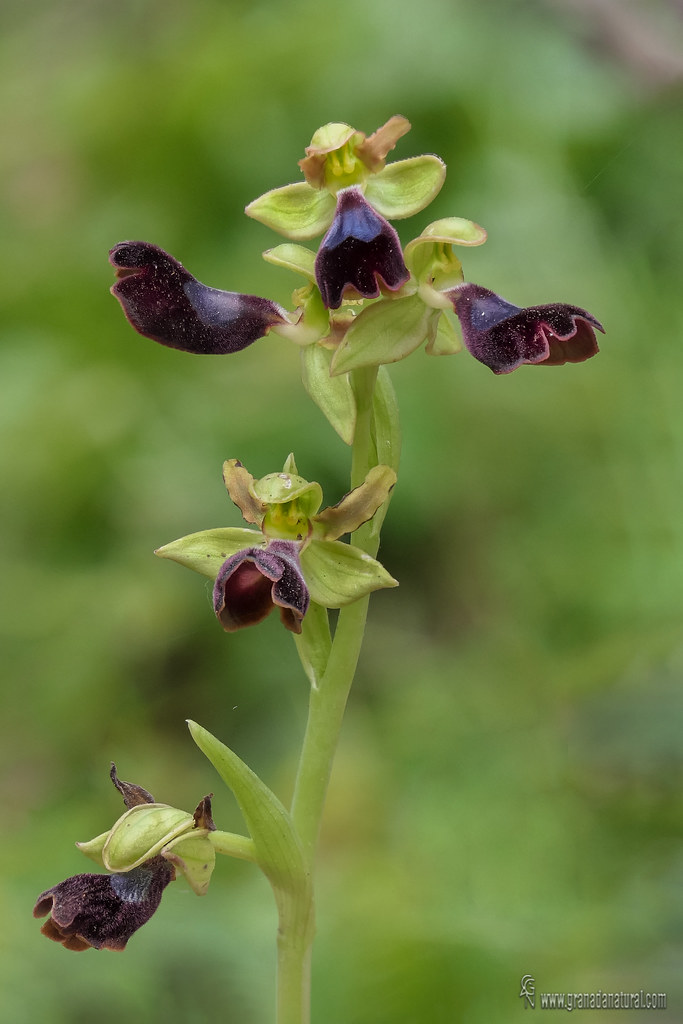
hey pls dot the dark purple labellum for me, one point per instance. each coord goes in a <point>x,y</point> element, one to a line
<point>103,911</point>
<point>503,336</point>
<point>164,302</point>
<point>254,581</point>
<point>359,248</point>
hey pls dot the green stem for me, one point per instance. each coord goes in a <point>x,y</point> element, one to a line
<point>325,714</point>
<point>329,694</point>
<point>293,978</point>
<point>233,845</point>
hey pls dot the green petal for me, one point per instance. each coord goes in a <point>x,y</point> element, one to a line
<point>384,332</point>
<point>140,834</point>
<point>405,187</point>
<point>333,395</point>
<point>294,257</point>
<point>296,211</point>
<point>205,552</point>
<point>337,574</point>
<point>194,855</point>
<point>356,507</point>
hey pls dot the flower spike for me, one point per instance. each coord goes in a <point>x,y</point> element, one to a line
<point>360,248</point>
<point>504,336</point>
<point>167,304</point>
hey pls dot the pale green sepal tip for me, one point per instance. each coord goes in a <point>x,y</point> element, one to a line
<point>290,465</point>
<point>294,257</point>
<point>277,848</point>
<point>296,211</point>
<point>93,849</point>
<point>205,552</point>
<point>405,187</point>
<point>333,395</point>
<point>455,230</point>
<point>194,855</point>
<point>141,833</point>
<point>445,341</point>
<point>337,574</point>
<point>384,332</point>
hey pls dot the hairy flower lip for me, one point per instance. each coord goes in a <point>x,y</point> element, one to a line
<point>254,581</point>
<point>164,302</point>
<point>504,336</point>
<point>360,255</point>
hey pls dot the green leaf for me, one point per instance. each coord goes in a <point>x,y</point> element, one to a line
<point>333,395</point>
<point>405,187</point>
<point>293,257</point>
<point>387,433</point>
<point>205,552</point>
<point>337,574</point>
<point>296,211</point>
<point>276,845</point>
<point>314,643</point>
<point>384,332</point>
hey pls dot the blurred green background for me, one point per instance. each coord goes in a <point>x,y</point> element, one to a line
<point>507,796</point>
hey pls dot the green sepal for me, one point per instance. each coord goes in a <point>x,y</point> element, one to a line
<point>293,257</point>
<point>333,395</point>
<point>337,574</point>
<point>384,332</point>
<point>296,211</point>
<point>194,855</point>
<point>205,552</point>
<point>93,849</point>
<point>314,643</point>
<point>277,847</point>
<point>405,187</point>
<point>387,427</point>
<point>141,833</point>
<point>445,341</point>
<point>356,507</point>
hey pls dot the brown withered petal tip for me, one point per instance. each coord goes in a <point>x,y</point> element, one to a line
<point>202,816</point>
<point>132,795</point>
